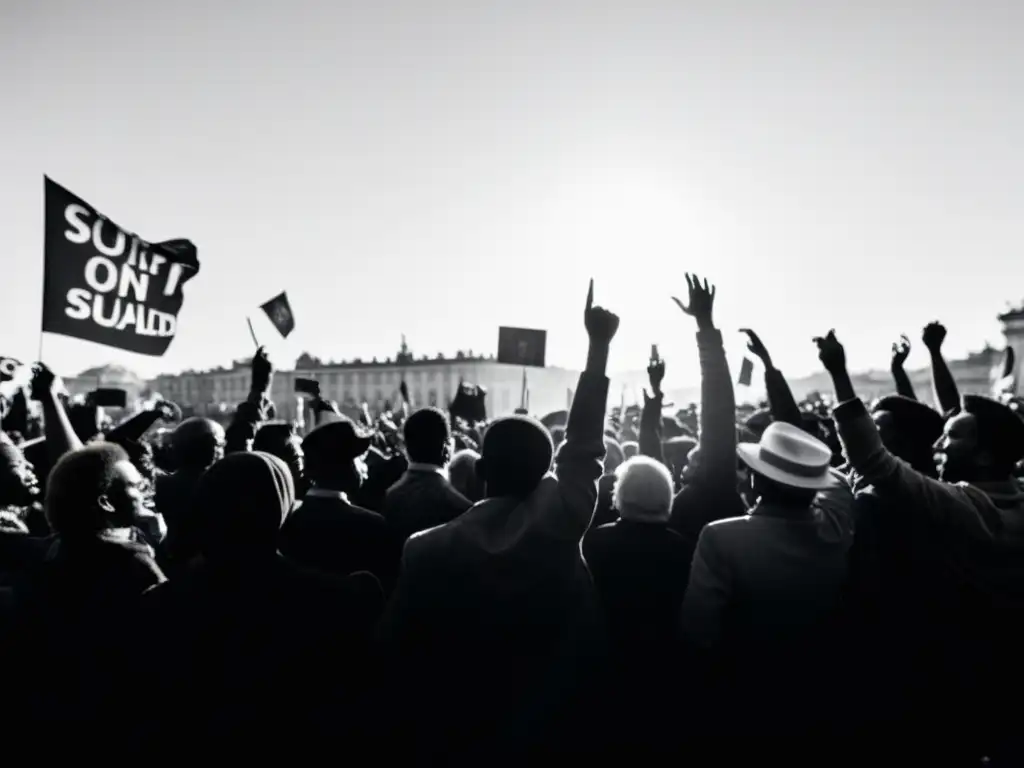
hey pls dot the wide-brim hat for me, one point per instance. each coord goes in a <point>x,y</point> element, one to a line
<point>921,421</point>
<point>789,456</point>
<point>338,434</point>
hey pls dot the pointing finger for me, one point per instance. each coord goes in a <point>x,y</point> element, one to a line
<point>590,295</point>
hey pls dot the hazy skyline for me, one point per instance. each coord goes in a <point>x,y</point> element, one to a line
<point>826,165</point>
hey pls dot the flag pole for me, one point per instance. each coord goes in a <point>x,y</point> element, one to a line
<point>252,333</point>
<point>42,312</point>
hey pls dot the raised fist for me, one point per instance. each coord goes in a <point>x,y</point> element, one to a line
<point>900,351</point>
<point>43,381</point>
<point>933,336</point>
<point>168,411</point>
<point>600,323</point>
<point>831,352</point>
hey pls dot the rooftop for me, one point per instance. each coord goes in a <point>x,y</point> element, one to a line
<point>1013,313</point>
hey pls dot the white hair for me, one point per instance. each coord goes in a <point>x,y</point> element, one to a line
<point>643,490</point>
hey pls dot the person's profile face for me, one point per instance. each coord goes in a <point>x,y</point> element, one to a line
<point>129,496</point>
<point>956,451</point>
<point>19,485</point>
<point>885,423</point>
<point>692,467</point>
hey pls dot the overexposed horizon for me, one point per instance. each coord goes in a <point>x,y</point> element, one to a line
<point>438,170</point>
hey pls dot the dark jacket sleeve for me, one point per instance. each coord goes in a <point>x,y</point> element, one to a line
<point>650,429</point>
<point>579,463</point>
<point>780,398</point>
<point>959,506</point>
<point>717,410</point>
<point>134,428</point>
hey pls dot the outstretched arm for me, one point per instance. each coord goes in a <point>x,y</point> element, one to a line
<point>134,428</point>
<point>900,350</point>
<point>945,504</point>
<point>650,419</point>
<point>60,436</point>
<point>717,398</point>
<point>579,462</point>
<point>946,393</point>
<point>780,397</point>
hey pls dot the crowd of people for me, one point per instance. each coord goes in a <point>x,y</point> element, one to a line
<point>827,586</point>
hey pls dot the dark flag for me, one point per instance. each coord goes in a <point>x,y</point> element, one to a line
<point>280,313</point>
<point>1004,375</point>
<point>469,404</point>
<point>522,346</point>
<point>104,284</point>
<point>8,368</point>
<point>746,372</point>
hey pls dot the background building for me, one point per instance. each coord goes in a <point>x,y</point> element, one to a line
<point>434,381</point>
<point>106,377</point>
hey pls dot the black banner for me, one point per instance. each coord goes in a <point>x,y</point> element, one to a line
<point>104,284</point>
<point>522,346</point>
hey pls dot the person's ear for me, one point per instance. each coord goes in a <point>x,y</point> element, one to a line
<point>104,503</point>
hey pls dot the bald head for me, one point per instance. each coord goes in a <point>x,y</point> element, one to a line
<point>197,442</point>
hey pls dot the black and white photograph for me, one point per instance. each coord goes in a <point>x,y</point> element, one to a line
<point>495,384</point>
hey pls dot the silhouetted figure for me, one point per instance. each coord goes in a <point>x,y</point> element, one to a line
<point>424,497</point>
<point>256,653</point>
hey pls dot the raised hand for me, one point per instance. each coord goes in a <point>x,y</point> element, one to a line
<point>700,303</point>
<point>168,411</point>
<point>600,323</point>
<point>656,375</point>
<point>757,347</point>
<point>831,352</point>
<point>262,370</point>
<point>900,351</point>
<point>43,381</point>
<point>933,336</point>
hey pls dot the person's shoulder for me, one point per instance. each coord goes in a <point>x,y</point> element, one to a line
<point>401,485</point>
<point>454,495</point>
<point>430,539</point>
<point>367,514</point>
<point>731,526</point>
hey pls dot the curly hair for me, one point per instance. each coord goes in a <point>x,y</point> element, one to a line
<point>75,484</point>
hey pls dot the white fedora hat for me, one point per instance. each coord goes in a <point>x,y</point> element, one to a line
<point>789,456</point>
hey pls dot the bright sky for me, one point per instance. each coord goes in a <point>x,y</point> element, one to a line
<point>442,168</point>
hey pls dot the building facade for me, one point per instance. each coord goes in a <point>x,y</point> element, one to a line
<point>106,377</point>
<point>434,381</point>
<point>430,381</point>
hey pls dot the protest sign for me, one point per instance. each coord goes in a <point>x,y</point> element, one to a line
<point>104,284</point>
<point>746,372</point>
<point>522,346</point>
